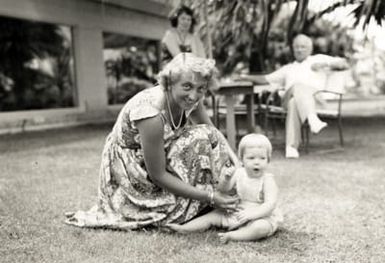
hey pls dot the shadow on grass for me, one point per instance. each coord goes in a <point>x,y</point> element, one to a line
<point>294,240</point>
<point>54,137</point>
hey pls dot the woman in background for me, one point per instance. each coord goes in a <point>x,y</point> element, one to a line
<point>181,37</point>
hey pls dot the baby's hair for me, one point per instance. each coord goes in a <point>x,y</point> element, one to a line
<point>255,140</point>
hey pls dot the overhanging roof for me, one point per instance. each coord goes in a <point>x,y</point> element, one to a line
<point>154,7</point>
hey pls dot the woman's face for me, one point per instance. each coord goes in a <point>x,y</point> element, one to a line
<point>188,90</point>
<point>184,22</point>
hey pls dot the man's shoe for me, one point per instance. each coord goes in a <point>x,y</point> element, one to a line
<point>317,126</point>
<point>291,152</point>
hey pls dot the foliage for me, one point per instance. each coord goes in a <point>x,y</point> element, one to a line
<point>239,30</point>
<point>126,89</point>
<point>242,31</point>
<point>23,42</point>
<point>132,68</point>
<point>368,10</point>
<point>328,38</point>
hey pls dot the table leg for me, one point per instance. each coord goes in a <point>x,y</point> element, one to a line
<point>250,113</point>
<point>230,121</point>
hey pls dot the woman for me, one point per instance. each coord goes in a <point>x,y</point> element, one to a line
<point>161,161</point>
<point>180,38</point>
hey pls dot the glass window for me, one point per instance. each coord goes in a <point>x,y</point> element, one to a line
<point>36,65</point>
<point>131,65</point>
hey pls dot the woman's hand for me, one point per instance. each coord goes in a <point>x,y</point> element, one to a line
<point>225,201</point>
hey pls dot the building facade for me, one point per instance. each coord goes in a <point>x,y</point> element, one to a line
<point>99,33</point>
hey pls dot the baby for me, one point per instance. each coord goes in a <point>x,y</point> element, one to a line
<point>256,216</point>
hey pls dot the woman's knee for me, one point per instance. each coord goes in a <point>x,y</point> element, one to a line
<point>199,134</point>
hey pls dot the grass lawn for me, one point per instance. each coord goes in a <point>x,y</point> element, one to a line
<point>333,203</point>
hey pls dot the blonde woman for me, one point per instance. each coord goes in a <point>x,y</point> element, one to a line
<point>161,161</point>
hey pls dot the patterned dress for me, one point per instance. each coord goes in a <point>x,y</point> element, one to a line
<point>127,197</point>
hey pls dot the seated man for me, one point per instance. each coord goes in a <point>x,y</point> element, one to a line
<point>301,80</point>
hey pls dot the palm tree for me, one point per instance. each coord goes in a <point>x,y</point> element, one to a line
<point>369,9</point>
<point>240,29</point>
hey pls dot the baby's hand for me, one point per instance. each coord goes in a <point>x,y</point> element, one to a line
<point>225,182</point>
<point>227,176</point>
<point>228,170</point>
<point>244,216</point>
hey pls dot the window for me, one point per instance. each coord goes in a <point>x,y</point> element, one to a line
<point>36,65</point>
<point>131,65</point>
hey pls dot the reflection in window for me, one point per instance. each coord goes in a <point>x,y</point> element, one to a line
<point>36,65</point>
<point>131,65</point>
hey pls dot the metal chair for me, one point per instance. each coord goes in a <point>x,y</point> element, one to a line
<point>273,111</point>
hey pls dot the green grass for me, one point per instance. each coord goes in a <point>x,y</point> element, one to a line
<point>333,203</point>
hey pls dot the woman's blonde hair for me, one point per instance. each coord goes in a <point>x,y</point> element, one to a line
<point>186,63</point>
<point>255,140</point>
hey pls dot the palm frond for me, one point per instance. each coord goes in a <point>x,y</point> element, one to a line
<point>369,9</point>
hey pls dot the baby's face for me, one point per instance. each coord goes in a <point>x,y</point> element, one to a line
<point>255,161</point>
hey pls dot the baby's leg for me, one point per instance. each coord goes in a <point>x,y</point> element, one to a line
<point>253,231</point>
<point>202,223</point>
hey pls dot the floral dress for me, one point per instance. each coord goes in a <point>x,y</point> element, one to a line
<point>127,198</point>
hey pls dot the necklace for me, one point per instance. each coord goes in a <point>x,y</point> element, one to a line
<point>182,37</point>
<point>171,116</point>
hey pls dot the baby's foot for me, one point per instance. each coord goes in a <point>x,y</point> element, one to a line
<point>175,227</point>
<point>223,238</point>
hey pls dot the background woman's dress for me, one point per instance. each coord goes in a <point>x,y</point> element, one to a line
<point>191,43</point>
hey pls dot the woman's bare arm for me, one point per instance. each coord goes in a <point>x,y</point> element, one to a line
<point>171,42</point>
<point>200,116</point>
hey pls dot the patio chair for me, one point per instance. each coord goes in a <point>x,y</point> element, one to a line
<point>326,114</point>
<point>212,108</point>
<point>273,111</point>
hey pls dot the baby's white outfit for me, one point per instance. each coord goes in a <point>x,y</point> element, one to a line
<point>251,194</point>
